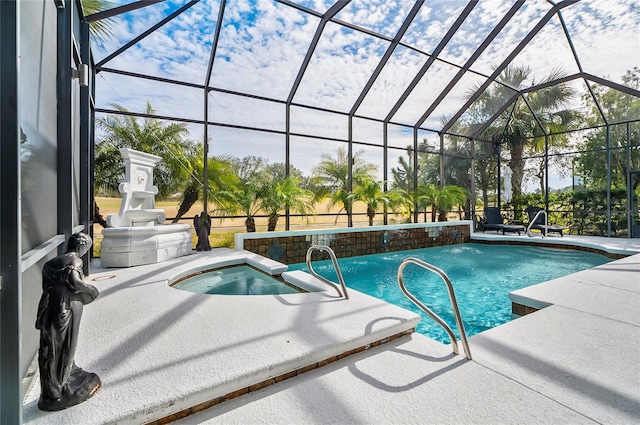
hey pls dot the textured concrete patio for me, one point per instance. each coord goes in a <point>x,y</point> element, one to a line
<point>163,352</point>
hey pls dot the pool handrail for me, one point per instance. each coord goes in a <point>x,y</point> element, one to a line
<point>546,224</point>
<point>427,310</point>
<point>334,260</point>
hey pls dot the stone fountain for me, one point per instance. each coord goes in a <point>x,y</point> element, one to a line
<point>137,234</point>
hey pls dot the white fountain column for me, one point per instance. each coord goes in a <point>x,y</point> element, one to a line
<point>137,234</point>
<point>138,192</point>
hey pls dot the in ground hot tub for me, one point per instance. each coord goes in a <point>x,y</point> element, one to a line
<point>236,280</point>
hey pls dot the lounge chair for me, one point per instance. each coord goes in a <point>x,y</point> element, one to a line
<point>539,222</point>
<point>493,220</point>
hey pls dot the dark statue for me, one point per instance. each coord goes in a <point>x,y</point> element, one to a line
<point>64,293</point>
<point>202,224</point>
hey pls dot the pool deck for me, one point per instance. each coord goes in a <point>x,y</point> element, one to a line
<point>161,351</point>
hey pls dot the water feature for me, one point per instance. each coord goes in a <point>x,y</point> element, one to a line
<point>137,234</point>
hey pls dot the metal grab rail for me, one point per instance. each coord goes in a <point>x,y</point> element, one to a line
<point>334,260</point>
<point>546,223</point>
<point>434,316</point>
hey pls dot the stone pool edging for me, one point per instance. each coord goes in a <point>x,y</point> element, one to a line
<point>555,245</point>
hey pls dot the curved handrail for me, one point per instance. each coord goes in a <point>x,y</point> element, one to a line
<point>334,260</point>
<point>546,222</point>
<point>434,316</point>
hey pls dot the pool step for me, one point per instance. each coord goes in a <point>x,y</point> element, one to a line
<point>267,265</point>
<point>305,281</point>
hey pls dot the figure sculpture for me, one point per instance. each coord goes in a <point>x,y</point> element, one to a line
<point>202,224</point>
<point>64,293</point>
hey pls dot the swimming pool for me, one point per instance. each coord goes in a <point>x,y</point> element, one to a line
<point>482,276</point>
<point>235,280</point>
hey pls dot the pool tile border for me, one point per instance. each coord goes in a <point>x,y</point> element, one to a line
<point>291,247</point>
<point>522,309</point>
<point>576,247</point>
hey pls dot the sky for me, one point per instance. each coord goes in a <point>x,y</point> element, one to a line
<point>263,44</point>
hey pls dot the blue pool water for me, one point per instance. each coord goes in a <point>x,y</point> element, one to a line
<point>482,276</point>
<point>236,280</point>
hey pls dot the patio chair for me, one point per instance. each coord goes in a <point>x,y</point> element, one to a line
<point>539,222</point>
<point>493,220</point>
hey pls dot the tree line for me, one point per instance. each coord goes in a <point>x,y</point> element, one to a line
<point>251,186</point>
<point>520,132</point>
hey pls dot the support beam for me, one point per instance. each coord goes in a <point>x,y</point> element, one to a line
<point>333,10</point>
<point>207,80</point>
<point>86,152</point>
<point>432,58</point>
<point>536,29</point>
<point>414,177</point>
<point>611,84</point>
<point>487,41</point>
<point>515,95</point>
<point>121,9</point>
<point>608,167</point>
<point>629,183</point>
<point>386,56</point>
<point>546,174</point>
<point>337,7</point>
<point>10,218</point>
<point>385,166</point>
<point>473,184</point>
<point>146,33</point>
<point>350,163</point>
<point>64,137</point>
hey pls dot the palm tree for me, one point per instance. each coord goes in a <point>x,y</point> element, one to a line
<point>220,176</point>
<point>284,194</point>
<point>331,178</point>
<point>371,193</point>
<point>523,127</point>
<point>243,197</point>
<point>153,136</point>
<point>428,167</point>
<point>486,170</point>
<point>428,175</point>
<point>447,197</point>
<point>245,200</point>
<point>109,169</point>
<point>425,196</point>
<point>103,30</point>
<point>403,173</point>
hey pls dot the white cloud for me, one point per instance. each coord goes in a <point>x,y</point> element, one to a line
<point>263,44</point>
<point>605,35</point>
